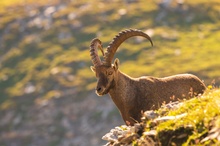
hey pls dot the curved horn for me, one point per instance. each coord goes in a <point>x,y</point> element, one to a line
<point>95,44</point>
<point>118,40</point>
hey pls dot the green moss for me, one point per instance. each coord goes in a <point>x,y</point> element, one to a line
<point>202,114</point>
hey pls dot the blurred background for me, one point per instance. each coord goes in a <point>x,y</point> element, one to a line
<point>47,95</point>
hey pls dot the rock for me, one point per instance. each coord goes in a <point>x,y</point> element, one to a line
<point>122,135</point>
<point>149,115</point>
<point>125,135</point>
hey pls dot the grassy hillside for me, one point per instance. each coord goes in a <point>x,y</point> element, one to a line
<point>44,50</point>
<point>193,122</point>
<point>46,46</point>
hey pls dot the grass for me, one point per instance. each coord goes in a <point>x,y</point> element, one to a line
<point>202,115</point>
<point>195,121</point>
<point>51,53</point>
<point>30,55</point>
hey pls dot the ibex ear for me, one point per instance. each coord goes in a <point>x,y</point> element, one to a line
<point>116,64</point>
<point>93,68</point>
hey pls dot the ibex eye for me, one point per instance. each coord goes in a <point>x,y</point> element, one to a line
<point>110,73</point>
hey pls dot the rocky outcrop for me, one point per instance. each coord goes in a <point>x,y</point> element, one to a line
<point>128,135</point>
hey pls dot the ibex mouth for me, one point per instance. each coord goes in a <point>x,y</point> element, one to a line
<point>101,91</point>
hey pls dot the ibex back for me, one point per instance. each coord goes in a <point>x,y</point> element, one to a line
<point>133,96</point>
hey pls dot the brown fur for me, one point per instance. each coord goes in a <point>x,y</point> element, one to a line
<point>132,96</point>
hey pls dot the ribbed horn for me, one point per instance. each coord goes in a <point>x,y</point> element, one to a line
<point>118,40</point>
<point>95,44</point>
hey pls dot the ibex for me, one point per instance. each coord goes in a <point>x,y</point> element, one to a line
<point>132,96</point>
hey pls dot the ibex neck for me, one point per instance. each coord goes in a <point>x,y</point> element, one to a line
<point>120,90</point>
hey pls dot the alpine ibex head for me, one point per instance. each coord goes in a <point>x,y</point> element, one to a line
<point>106,72</point>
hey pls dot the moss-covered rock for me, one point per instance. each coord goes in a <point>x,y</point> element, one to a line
<point>190,122</point>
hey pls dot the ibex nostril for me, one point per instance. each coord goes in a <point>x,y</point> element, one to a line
<point>99,89</point>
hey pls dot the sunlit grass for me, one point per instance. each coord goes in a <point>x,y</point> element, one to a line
<point>6,3</point>
<point>201,114</point>
<point>179,47</point>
